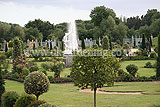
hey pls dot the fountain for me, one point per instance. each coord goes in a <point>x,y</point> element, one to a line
<point>70,39</point>
<point>70,43</point>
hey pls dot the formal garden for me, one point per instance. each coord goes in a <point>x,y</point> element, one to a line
<point>49,70</point>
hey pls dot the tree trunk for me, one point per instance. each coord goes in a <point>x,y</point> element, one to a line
<point>37,97</point>
<point>95,89</point>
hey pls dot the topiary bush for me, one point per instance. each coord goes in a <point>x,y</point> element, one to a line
<point>9,99</point>
<point>132,69</point>
<point>36,83</point>
<point>148,65</point>
<point>36,103</point>
<point>25,100</point>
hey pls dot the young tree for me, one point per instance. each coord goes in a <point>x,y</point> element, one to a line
<point>94,71</point>
<point>36,83</point>
<point>150,40</point>
<point>143,42</point>
<point>105,43</point>
<point>83,44</point>
<point>6,49</point>
<point>158,59</point>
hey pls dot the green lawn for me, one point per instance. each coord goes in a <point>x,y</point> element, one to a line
<point>69,96</point>
<point>141,70</point>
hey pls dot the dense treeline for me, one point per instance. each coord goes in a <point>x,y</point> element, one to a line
<point>103,22</point>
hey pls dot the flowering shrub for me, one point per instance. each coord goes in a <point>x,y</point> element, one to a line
<point>57,67</point>
<point>19,63</point>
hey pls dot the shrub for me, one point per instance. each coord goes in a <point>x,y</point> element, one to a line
<point>33,68</point>
<point>105,43</point>
<point>9,99</point>
<point>148,65</point>
<point>45,66</point>
<point>2,82</point>
<point>36,83</point>
<point>153,55</point>
<point>47,105</point>
<point>126,77</point>
<point>36,103</point>
<point>57,67</point>
<point>132,69</point>
<point>25,71</point>
<point>25,100</point>
<point>8,53</point>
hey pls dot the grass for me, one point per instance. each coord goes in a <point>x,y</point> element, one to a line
<point>141,70</point>
<point>67,95</point>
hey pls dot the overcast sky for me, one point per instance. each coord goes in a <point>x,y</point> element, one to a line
<point>58,11</point>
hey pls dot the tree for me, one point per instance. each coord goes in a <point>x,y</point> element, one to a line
<point>83,44</point>
<point>17,47</point>
<point>155,28</point>
<point>143,42</point>
<point>94,71</point>
<point>105,43</point>
<point>158,59</point>
<point>150,40</point>
<point>119,32</point>
<point>2,88</point>
<point>99,13</point>
<point>36,83</point>
<point>110,42</point>
<point>145,30</point>
<point>33,34</point>
<point>45,27</point>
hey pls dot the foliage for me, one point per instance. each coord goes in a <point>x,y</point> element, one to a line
<point>148,65</point>
<point>36,83</point>
<point>19,63</point>
<point>143,42</point>
<point>153,55</point>
<point>126,77</point>
<point>17,47</point>
<point>57,67</point>
<point>105,43</point>
<point>132,69</point>
<point>158,59</point>
<point>36,54</point>
<point>9,98</point>
<point>10,44</point>
<point>83,43</point>
<point>2,83</point>
<point>94,71</point>
<point>110,42</point>
<point>45,66</point>
<point>24,100</point>
<point>36,103</point>
<point>33,68</point>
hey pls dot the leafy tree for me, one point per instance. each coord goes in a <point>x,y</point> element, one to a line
<point>33,34</point>
<point>83,44</point>
<point>143,42</point>
<point>6,47</point>
<point>94,72</point>
<point>150,40</point>
<point>155,28</point>
<point>105,43</point>
<point>45,27</point>
<point>99,13</point>
<point>134,22</point>
<point>147,19</point>
<point>145,30</point>
<point>119,32</point>
<point>158,59</point>
<point>36,83</point>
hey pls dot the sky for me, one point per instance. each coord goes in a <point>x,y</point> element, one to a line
<point>59,11</point>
